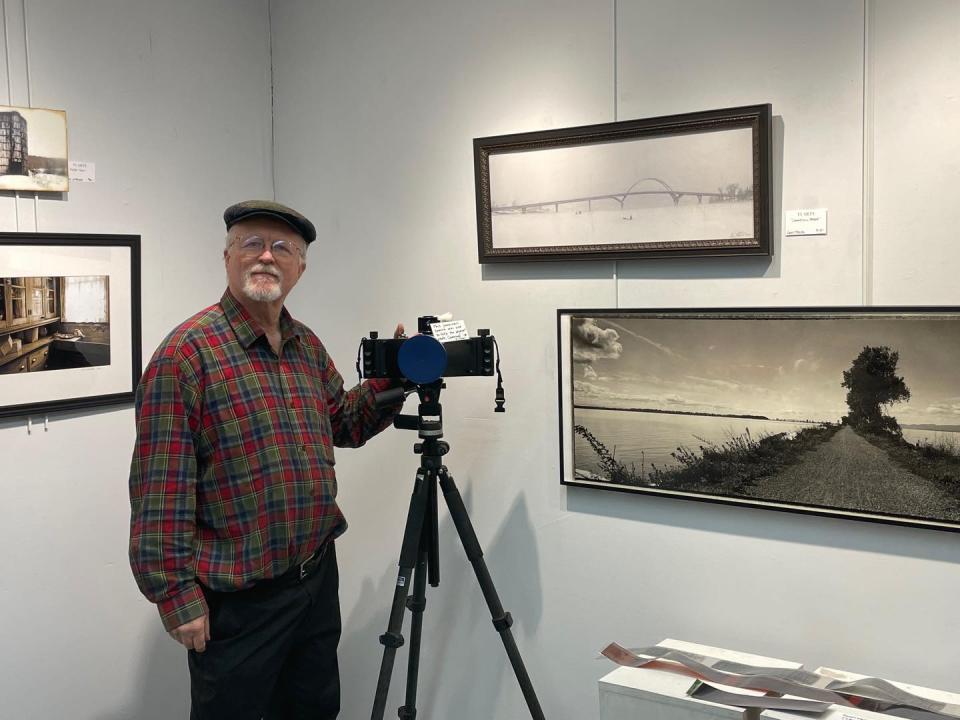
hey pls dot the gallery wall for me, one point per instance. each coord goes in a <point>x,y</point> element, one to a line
<point>376,107</point>
<point>171,102</point>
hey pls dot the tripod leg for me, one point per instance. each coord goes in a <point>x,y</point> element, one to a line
<point>501,619</point>
<point>417,603</point>
<point>409,553</point>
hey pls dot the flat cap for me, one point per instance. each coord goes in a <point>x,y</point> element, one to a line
<point>268,208</point>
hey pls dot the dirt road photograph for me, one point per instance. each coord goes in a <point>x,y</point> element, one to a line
<point>851,412</point>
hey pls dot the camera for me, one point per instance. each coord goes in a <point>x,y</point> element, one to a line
<point>422,359</point>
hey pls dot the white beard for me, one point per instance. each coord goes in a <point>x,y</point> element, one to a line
<point>255,287</point>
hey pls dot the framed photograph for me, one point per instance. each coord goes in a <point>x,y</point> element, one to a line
<point>33,149</point>
<point>849,412</point>
<point>69,321</point>
<point>693,184</point>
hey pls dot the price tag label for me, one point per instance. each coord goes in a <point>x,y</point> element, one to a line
<point>447,331</point>
<point>806,222</point>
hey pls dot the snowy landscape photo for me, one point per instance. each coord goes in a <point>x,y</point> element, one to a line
<point>626,188</point>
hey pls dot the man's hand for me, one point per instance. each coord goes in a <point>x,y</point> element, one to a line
<point>194,634</point>
<point>399,332</point>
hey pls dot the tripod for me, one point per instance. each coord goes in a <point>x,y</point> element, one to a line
<point>419,557</point>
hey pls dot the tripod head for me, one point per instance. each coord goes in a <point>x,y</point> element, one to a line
<point>428,422</point>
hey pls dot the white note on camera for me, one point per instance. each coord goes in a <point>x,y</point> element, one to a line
<point>448,331</point>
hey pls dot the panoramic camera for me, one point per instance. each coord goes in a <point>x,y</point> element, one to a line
<point>424,360</point>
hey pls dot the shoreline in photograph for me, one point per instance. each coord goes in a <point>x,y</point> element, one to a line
<point>828,465</point>
<point>660,411</point>
<point>918,430</point>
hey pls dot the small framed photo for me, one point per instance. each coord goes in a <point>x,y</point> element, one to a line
<point>69,321</point>
<point>847,412</point>
<point>33,149</point>
<point>694,184</point>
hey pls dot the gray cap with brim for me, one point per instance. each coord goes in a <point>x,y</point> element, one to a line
<point>268,208</point>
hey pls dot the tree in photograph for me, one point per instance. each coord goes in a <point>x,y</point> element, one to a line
<point>872,384</point>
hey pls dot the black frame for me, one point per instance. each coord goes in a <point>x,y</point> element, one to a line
<point>565,434</point>
<point>126,396</point>
<point>756,117</point>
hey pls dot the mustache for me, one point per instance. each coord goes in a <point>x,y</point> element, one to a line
<point>260,268</point>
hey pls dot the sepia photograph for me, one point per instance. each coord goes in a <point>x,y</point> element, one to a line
<point>33,149</point>
<point>852,412</point>
<point>54,323</point>
<point>69,321</point>
<point>685,184</point>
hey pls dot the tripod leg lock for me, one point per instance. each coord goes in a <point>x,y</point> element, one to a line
<point>503,623</point>
<point>414,606</point>
<point>391,640</point>
<point>406,713</point>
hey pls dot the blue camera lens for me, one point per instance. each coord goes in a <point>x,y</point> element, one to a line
<point>422,359</point>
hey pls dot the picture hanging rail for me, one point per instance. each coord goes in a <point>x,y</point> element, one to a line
<point>846,412</point>
<point>691,184</point>
<point>33,149</point>
<point>69,321</point>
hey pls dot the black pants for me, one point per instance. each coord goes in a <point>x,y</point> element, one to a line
<point>272,651</point>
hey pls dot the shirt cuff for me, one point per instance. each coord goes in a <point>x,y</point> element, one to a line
<point>378,385</point>
<point>182,608</point>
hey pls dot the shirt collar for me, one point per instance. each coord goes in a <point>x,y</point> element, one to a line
<point>247,329</point>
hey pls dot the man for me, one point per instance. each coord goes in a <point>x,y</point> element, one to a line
<point>232,487</point>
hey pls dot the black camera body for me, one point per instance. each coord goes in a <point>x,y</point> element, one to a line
<point>422,358</point>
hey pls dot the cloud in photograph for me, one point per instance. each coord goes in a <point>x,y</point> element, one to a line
<point>950,408</point>
<point>659,346</point>
<point>590,342</point>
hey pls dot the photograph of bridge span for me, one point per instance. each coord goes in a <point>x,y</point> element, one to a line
<point>653,191</point>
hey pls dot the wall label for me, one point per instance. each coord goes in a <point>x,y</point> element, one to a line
<point>806,222</point>
<point>81,171</point>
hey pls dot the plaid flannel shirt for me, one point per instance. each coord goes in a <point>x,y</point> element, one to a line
<point>232,477</point>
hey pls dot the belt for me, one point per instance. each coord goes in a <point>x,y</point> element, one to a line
<point>299,572</point>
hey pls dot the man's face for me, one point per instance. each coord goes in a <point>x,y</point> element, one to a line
<point>258,270</point>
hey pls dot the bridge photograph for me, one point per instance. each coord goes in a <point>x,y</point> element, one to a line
<point>658,190</point>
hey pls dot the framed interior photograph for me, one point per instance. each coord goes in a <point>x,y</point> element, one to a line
<point>692,184</point>
<point>69,321</point>
<point>33,149</point>
<point>848,412</point>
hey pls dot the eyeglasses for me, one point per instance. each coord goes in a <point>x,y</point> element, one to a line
<point>253,246</point>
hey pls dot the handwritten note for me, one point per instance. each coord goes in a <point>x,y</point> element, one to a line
<point>452,330</point>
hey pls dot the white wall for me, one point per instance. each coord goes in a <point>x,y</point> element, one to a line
<point>171,100</point>
<point>376,106</point>
<point>914,65</point>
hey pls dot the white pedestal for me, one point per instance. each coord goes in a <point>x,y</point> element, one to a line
<point>632,693</point>
<point>835,712</point>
